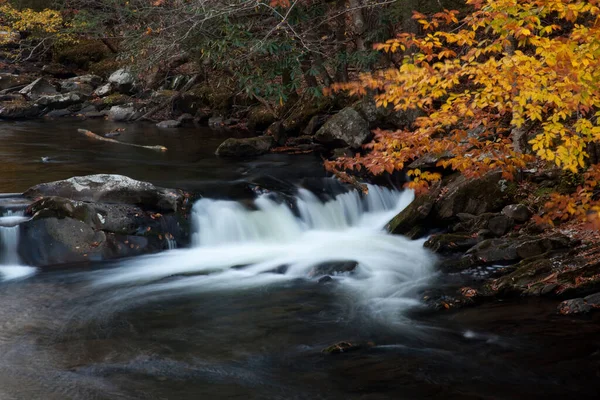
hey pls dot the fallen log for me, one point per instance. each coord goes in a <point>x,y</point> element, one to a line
<point>94,136</point>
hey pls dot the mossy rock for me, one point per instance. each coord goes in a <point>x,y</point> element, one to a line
<point>260,118</point>
<point>104,67</point>
<point>116,99</point>
<point>304,110</point>
<point>217,95</point>
<point>81,54</point>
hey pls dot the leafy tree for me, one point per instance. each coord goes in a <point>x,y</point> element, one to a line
<point>510,80</point>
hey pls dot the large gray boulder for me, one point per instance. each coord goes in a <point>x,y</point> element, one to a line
<point>122,113</point>
<point>122,80</point>
<point>60,230</point>
<point>246,147</point>
<point>60,101</point>
<point>345,129</point>
<point>38,88</point>
<point>111,189</point>
<point>52,241</point>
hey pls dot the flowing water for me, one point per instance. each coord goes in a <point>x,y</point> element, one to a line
<point>245,312</point>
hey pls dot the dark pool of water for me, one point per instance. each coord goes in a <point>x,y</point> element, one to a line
<point>43,151</point>
<point>61,338</point>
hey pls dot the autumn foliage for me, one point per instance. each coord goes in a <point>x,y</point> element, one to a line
<point>509,82</point>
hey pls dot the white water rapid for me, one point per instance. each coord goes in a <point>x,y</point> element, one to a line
<point>10,262</point>
<point>235,248</point>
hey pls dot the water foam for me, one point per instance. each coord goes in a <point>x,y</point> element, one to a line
<point>10,262</point>
<point>237,248</point>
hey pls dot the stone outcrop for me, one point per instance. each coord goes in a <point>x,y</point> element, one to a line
<point>345,129</point>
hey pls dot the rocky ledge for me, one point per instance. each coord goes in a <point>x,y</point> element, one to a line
<point>489,247</point>
<point>101,217</point>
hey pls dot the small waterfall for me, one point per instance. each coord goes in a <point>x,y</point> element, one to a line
<point>10,262</point>
<point>236,248</point>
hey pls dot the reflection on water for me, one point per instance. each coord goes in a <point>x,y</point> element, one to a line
<point>35,152</point>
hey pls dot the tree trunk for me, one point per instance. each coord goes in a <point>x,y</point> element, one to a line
<point>358,23</point>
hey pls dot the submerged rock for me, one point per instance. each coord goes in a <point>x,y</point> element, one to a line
<point>169,124</point>
<point>246,147</point>
<point>111,189</point>
<point>341,347</point>
<point>345,129</point>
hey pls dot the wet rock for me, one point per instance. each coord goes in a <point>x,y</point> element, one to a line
<point>593,300</point>
<point>38,88</point>
<point>411,221</point>
<point>122,80</point>
<point>50,241</point>
<point>449,243</point>
<point>534,247</point>
<point>495,251</point>
<point>333,268</point>
<point>518,212</point>
<point>524,275</point>
<point>472,196</point>
<point>121,113</point>
<point>60,101</point>
<point>509,250</point>
<point>111,189</point>
<point>574,306</point>
<point>246,147</point>
<point>341,347</point>
<point>500,225</point>
<point>345,129</point>
<point>18,110</point>
<point>169,124</point>
<point>325,279</point>
<point>57,114</point>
